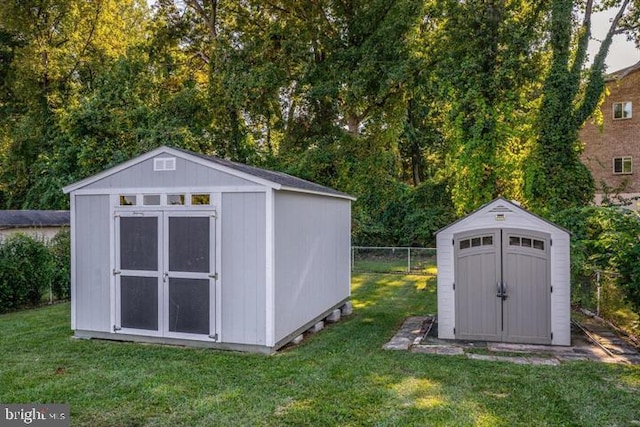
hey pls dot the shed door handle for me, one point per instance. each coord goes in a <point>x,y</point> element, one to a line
<point>502,290</point>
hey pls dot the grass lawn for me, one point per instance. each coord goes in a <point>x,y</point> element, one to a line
<point>340,376</point>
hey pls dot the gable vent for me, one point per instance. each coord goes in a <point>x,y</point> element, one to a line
<point>164,164</point>
<point>500,209</point>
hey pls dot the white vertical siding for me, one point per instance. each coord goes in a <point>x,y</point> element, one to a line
<point>243,271</point>
<point>92,302</point>
<point>312,257</point>
<point>446,294</point>
<point>561,295</point>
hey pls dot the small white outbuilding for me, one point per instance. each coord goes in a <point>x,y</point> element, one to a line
<point>180,248</point>
<point>504,275</point>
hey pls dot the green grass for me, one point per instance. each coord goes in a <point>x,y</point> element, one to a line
<point>340,376</point>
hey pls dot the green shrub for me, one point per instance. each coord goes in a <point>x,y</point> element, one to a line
<point>26,271</point>
<point>604,239</point>
<point>60,247</point>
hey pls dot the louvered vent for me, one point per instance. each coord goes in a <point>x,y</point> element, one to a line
<point>164,164</point>
<point>500,209</point>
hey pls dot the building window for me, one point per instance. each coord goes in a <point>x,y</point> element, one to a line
<point>175,199</point>
<point>127,200</point>
<point>200,199</point>
<point>622,110</point>
<point>151,199</point>
<point>622,165</point>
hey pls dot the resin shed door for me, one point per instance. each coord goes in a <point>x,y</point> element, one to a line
<point>502,288</point>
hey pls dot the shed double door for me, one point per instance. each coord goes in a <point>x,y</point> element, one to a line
<point>165,273</point>
<point>502,286</point>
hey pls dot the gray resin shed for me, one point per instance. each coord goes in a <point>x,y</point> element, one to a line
<point>503,275</point>
<point>180,248</point>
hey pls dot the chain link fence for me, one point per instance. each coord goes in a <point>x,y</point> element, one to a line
<point>599,293</point>
<point>399,260</point>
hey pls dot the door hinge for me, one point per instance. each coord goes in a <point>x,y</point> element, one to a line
<point>454,331</point>
<point>214,214</point>
<point>214,276</point>
<point>116,272</point>
<point>550,242</point>
<point>116,329</point>
<point>551,289</point>
<point>551,335</point>
<point>454,286</point>
<point>453,242</point>
<point>214,337</point>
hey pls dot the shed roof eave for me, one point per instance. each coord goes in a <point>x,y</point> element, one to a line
<point>502,199</point>
<point>267,178</point>
<point>174,152</point>
<point>319,193</point>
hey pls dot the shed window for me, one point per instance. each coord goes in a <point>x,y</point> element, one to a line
<point>175,199</point>
<point>200,199</point>
<point>127,200</point>
<point>476,242</point>
<point>622,165</point>
<point>526,242</point>
<point>151,199</point>
<point>622,110</point>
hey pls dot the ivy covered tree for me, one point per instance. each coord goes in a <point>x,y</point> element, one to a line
<point>555,177</point>
<point>489,71</point>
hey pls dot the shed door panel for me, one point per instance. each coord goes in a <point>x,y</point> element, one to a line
<point>189,306</point>
<point>138,290</point>
<point>477,272</point>
<point>139,302</point>
<point>190,261</point>
<point>527,316</point>
<point>189,244</point>
<point>139,243</point>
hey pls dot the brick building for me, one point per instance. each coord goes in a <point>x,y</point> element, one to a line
<point>612,152</point>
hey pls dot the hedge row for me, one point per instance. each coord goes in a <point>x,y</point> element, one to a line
<point>605,244</point>
<point>29,267</point>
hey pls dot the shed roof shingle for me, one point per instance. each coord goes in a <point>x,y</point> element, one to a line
<point>281,178</point>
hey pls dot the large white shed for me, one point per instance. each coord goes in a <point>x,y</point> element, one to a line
<point>180,248</point>
<point>504,275</point>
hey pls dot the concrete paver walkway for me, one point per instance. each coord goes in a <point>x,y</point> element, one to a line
<point>418,334</point>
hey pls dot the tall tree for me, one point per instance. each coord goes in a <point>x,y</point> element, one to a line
<point>556,178</point>
<point>489,72</point>
<point>61,44</point>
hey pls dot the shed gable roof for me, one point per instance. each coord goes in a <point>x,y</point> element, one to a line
<point>502,205</point>
<point>33,218</point>
<point>272,179</point>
